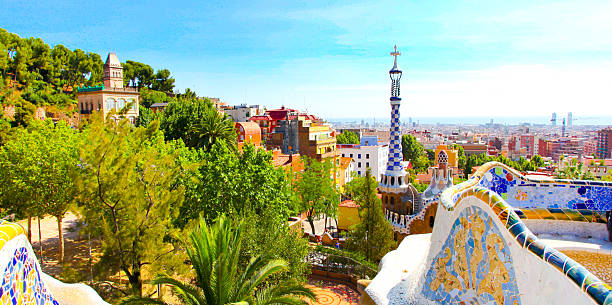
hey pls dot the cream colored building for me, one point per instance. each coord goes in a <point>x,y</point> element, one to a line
<point>110,96</point>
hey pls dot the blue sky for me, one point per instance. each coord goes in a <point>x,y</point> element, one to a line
<point>460,58</point>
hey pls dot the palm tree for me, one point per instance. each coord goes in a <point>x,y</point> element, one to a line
<point>213,253</point>
<point>212,128</point>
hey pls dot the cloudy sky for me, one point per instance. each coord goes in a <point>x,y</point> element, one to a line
<point>460,58</point>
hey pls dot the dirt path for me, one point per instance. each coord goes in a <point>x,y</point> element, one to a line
<point>75,247</point>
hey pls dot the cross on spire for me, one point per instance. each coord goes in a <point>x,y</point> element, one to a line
<point>395,54</point>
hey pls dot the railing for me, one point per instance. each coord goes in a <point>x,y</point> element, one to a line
<point>332,264</point>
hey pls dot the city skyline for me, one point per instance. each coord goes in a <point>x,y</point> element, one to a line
<point>460,59</point>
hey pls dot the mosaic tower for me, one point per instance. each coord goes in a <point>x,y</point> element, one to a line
<point>393,180</point>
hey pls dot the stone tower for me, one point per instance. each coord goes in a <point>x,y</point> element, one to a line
<point>113,72</point>
<point>393,183</point>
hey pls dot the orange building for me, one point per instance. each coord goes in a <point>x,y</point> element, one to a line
<point>248,132</point>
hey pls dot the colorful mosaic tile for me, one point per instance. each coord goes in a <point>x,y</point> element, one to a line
<point>524,193</point>
<point>451,199</point>
<point>22,284</point>
<point>474,265</point>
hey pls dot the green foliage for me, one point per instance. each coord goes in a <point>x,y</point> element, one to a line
<point>50,76</point>
<point>373,236</point>
<point>348,137</point>
<point>36,166</point>
<point>129,194</point>
<point>521,164</point>
<point>573,170</point>
<point>136,74</point>
<point>198,124</point>
<point>316,192</point>
<point>149,97</point>
<point>415,153</point>
<point>421,187</point>
<point>214,254</point>
<point>461,158</point>
<point>358,257</point>
<point>146,116</point>
<point>162,81</point>
<point>234,184</point>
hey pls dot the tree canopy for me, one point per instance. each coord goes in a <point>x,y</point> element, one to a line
<point>373,236</point>
<point>347,137</point>
<point>415,153</point>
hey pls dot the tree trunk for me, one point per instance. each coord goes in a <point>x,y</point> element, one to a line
<point>325,225</point>
<point>311,222</point>
<point>41,257</point>
<point>60,234</point>
<point>30,229</point>
<point>90,263</point>
<point>135,282</point>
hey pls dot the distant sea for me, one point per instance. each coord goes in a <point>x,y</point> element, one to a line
<point>577,120</point>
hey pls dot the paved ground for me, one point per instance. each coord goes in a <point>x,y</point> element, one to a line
<point>319,225</point>
<point>329,293</point>
<point>75,246</point>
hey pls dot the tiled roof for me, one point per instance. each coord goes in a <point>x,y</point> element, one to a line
<point>348,204</point>
<point>250,128</point>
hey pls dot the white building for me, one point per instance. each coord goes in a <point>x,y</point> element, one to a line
<point>242,113</point>
<point>372,156</point>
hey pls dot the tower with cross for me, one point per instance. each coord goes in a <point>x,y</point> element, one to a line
<point>399,197</point>
<point>394,178</point>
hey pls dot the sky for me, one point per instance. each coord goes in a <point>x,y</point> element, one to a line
<point>331,58</point>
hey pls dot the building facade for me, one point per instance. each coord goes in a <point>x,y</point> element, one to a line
<point>111,96</point>
<point>248,133</point>
<point>242,113</point>
<point>370,156</point>
<point>604,143</point>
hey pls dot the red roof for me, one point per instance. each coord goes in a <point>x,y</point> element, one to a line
<point>348,204</point>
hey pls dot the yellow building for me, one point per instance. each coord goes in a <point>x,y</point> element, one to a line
<point>451,154</point>
<point>110,96</point>
<point>348,215</point>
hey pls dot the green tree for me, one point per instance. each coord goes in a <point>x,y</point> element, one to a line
<point>214,252</point>
<point>347,137</point>
<point>137,74</point>
<point>128,177</point>
<point>243,185</point>
<point>315,189</point>
<point>36,166</point>
<point>162,81</point>
<point>373,236</point>
<point>415,153</point>
<point>197,123</point>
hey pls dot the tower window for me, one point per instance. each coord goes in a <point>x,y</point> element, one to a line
<point>391,201</point>
<point>392,180</point>
<point>431,221</point>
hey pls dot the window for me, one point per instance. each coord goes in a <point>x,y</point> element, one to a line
<point>134,104</point>
<point>367,164</point>
<point>120,104</point>
<point>431,221</point>
<point>359,156</point>
<point>392,180</point>
<point>359,173</point>
<point>367,156</point>
<point>343,155</point>
<point>391,201</point>
<point>351,155</point>
<point>359,164</point>
<point>110,104</point>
